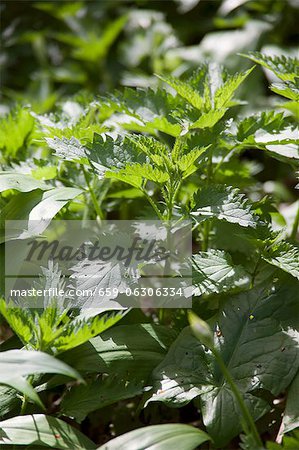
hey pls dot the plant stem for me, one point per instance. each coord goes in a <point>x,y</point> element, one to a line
<point>295,226</point>
<point>242,405</point>
<point>92,195</point>
<point>153,204</point>
<point>206,236</point>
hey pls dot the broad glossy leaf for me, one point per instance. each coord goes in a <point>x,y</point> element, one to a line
<point>26,362</point>
<point>214,271</point>
<point>125,349</point>
<point>223,203</point>
<point>81,400</point>
<point>38,208</point>
<point>44,431</point>
<point>21,182</point>
<point>162,437</point>
<point>291,413</point>
<point>257,338</point>
<point>15,364</point>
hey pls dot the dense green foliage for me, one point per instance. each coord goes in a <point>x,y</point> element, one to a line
<point>136,110</point>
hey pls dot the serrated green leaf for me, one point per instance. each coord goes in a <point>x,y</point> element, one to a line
<point>135,173</point>
<point>285,68</point>
<point>287,89</point>
<point>15,131</point>
<point>224,93</point>
<point>283,255</point>
<point>214,271</point>
<point>151,111</point>
<point>20,320</point>
<point>68,149</point>
<point>185,90</point>
<point>223,203</point>
<point>209,119</point>
<point>79,330</point>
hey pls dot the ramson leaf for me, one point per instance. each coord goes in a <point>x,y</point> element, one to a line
<point>256,335</point>
<point>83,399</point>
<point>223,203</point>
<point>162,437</point>
<point>44,431</point>
<point>214,271</point>
<point>21,182</point>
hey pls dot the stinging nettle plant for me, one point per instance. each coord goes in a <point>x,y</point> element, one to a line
<point>185,148</point>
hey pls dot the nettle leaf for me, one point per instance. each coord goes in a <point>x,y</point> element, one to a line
<point>79,330</point>
<point>162,437</point>
<point>185,90</point>
<point>108,153</point>
<point>224,93</point>
<point>214,271</point>
<point>83,399</point>
<point>21,182</point>
<point>270,132</point>
<point>223,203</point>
<point>150,110</point>
<point>209,119</point>
<point>285,143</point>
<point>134,174</point>
<point>123,350</point>
<point>257,338</point>
<point>20,320</point>
<point>187,162</point>
<point>283,255</point>
<point>15,131</point>
<point>44,431</point>
<point>155,150</point>
<point>267,121</point>
<point>287,89</point>
<point>285,68</point>
<point>68,149</point>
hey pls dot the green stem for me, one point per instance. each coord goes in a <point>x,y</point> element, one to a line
<point>206,236</point>
<point>295,226</point>
<point>153,204</point>
<point>242,405</point>
<point>96,205</point>
<point>255,270</point>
